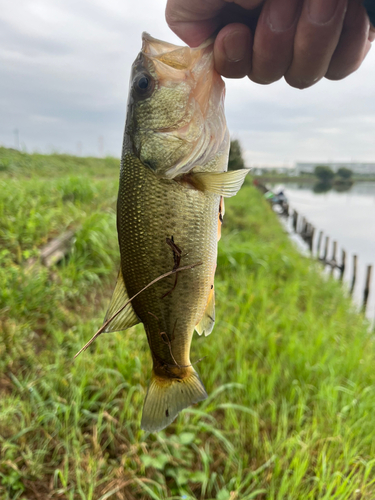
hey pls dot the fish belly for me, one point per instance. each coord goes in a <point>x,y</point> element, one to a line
<point>150,210</point>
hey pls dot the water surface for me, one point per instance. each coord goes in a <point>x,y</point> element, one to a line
<point>347,217</point>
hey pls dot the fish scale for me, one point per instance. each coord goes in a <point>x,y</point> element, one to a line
<point>172,182</point>
<point>168,209</point>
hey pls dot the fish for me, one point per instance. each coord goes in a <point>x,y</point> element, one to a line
<point>173,179</point>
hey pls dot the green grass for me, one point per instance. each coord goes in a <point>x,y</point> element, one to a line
<point>288,367</point>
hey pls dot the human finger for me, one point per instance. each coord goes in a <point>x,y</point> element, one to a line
<point>232,51</point>
<point>195,20</point>
<point>274,39</point>
<point>353,44</point>
<point>318,32</point>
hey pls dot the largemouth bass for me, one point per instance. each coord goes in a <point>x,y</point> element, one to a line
<point>169,212</point>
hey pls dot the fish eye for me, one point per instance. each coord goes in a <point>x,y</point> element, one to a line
<point>143,84</point>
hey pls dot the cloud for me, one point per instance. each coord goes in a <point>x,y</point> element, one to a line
<point>329,121</point>
<point>64,71</point>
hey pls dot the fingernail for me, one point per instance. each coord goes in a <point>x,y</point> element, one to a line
<point>322,11</point>
<point>235,46</point>
<point>282,15</point>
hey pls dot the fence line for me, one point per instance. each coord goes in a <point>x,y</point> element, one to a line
<point>308,232</point>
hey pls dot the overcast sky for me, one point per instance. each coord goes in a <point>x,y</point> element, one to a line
<point>64,71</point>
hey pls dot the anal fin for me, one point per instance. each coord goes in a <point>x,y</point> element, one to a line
<point>207,322</point>
<point>127,317</point>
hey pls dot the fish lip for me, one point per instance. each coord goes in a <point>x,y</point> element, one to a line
<point>149,39</point>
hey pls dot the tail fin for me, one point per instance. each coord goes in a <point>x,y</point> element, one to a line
<point>167,397</point>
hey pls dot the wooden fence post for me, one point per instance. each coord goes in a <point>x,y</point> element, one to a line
<point>311,238</point>
<point>343,264</point>
<point>367,287</point>
<point>326,250</point>
<point>354,274</point>
<point>333,260</point>
<point>319,243</point>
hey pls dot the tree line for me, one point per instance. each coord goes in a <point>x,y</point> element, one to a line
<point>327,175</point>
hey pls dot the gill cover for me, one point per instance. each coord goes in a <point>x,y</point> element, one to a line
<point>175,117</point>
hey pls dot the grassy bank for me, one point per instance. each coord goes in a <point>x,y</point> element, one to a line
<point>288,367</point>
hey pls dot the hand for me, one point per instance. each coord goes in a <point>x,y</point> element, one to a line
<point>300,40</point>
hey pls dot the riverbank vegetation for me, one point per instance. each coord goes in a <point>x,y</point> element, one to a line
<point>327,178</point>
<point>288,367</point>
<point>311,179</point>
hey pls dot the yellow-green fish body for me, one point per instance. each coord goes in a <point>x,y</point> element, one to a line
<point>173,177</point>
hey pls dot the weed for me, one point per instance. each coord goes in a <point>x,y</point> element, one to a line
<point>288,367</point>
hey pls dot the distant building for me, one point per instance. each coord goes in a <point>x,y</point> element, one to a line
<point>272,170</point>
<point>356,168</point>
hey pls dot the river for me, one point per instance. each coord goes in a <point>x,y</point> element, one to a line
<point>346,217</point>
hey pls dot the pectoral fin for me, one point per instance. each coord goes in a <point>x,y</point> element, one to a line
<point>226,184</point>
<point>207,323</point>
<point>127,317</point>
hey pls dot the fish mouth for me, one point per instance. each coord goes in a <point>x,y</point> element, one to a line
<point>177,56</point>
<point>203,124</point>
<point>174,63</point>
